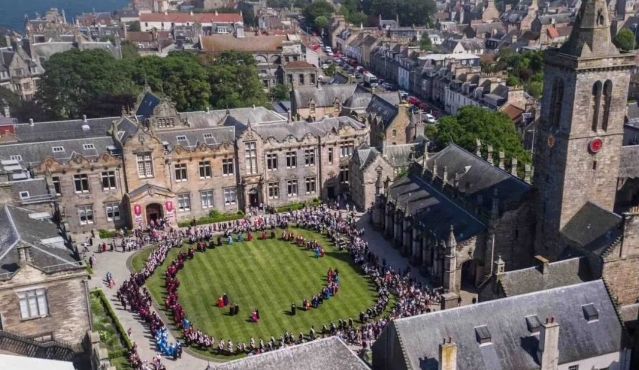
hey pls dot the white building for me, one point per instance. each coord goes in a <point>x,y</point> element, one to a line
<point>210,22</point>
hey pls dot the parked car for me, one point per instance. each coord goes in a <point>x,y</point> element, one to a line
<point>412,100</point>
<point>329,53</point>
<point>423,106</point>
<point>429,118</point>
<point>403,94</point>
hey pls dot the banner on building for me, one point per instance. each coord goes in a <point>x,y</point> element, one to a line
<point>137,210</point>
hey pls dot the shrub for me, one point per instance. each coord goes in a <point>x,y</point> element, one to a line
<point>111,314</point>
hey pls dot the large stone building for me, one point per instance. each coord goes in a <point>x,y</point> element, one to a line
<point>124,171</point>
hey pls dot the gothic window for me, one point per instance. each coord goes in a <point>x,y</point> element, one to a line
<point>596,103</point>
<point>556,100</point>
<point>600,18</point>
<point>607,98</point>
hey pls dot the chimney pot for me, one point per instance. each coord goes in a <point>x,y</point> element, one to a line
<point>31,121</point>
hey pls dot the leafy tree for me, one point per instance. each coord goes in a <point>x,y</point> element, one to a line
<point>135,26</point>
<point>129,50</point>
<point>302,4</point>
<point>330,71</point>
<point>317,9</point>
<point>417,12</point>
<point>185,81</point>
<point>278,4</point>
<point>234,81</point>
<point>624,40</point>
<point>321,22</point>
<point>492,128</point>
<point>249,18</point>
<point>280,92</point>
<point>430,131</point>
<point>535,89</point>
<point>513,81</point>
<point>425,43</point>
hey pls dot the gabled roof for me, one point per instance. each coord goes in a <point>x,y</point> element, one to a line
<point>324,97</point>
<point>629,164</point>
<point>382,108</point>
<point>147,104</point>
<point>593,228</point>
<point>558,274</point>
<point>64,130</point>
<point>322,354</point>
<point>48,249</point>
<point>512,345</point>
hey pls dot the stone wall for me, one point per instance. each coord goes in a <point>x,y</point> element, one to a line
<point>68,317</point>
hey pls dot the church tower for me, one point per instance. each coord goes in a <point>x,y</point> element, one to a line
<point>580,131</point>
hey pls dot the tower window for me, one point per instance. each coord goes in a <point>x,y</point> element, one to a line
<point>596,103</point>
<point>607,93</point>
<point>556,101</point>
<point>594,165</point>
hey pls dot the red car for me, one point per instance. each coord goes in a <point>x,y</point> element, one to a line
<point>412,100</point>
<point>423,106</point>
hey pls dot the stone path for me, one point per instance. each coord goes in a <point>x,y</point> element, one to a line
<point>115,262</point>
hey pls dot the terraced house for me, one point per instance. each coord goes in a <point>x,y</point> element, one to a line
<point>156,162</point>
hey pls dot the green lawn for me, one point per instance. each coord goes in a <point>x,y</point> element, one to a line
<point>269,275</point>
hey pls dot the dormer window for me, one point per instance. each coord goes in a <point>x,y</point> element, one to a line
<point>590,312</point>
<point>533,324</point>
<point>483,335</point>
<point>311,108</point>
<point>88,146</point>
<point>58,149</point>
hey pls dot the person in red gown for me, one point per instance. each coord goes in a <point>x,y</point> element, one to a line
<point>220,302</point>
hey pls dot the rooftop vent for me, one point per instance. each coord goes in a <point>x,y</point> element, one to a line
<point>590,312</point>
<point>84,118</point>
<point>31,122</point>
<point>533,324</point>
<point>483,334</point>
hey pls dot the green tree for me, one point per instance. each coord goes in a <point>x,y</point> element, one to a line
<point>411,12</point>
<point>330,71</point>
<point>512,80</point>
<point>280,92</point>
<point>624,40</point>
<point>135,26</point>
<point>317,9</point>
<point>234,81</point>
<point>535,89</point>
<point>185,81</point>
<point>492,128</point>
<point>425,43</point>
<point>321,22</point>
<point>129,50</point>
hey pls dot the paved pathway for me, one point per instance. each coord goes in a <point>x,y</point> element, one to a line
<point>115,262</point>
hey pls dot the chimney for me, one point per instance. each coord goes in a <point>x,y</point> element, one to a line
<point>527,173</point>
<point>447,355</point>
<point>500,266</point>
<point>31,122</point>
<point>445,176</point>
<point>502,156</point>
<point>489,157</point>
<point>513,167</point>
<point>548,352</point>
<point>24,254</point>
<point>84,118</point>
<point>288,115</point>
<point>543,263</point>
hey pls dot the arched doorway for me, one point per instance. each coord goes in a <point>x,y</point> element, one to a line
<point>254,197</point>
<point>153,212</point>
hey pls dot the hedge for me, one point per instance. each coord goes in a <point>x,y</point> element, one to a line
<point>109,234</point>
<point>297,206</point>
<point>109,309</point>
<point>213,218</point>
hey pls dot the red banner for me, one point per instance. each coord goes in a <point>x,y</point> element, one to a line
<point>137,209</point>
<point>169,206</point>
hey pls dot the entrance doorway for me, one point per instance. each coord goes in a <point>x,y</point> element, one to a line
<point>254,199</point>
<point>331,192</point>
<point>153,212</point>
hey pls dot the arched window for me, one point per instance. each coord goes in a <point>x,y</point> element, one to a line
<point>595,104</point>
<point>607,94</point>
<point>556,101</point>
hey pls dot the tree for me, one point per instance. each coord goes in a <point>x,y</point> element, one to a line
<point>535,89</point>
<point>317,9</point>
<point>321,22</point>
<point>234,81</point>
<point>492,128</point>
<point>411,12</point>
<point>280,92</point>
<point>425,43</point>
<point>624,40</point>
<point>135,26</point>
<point>330,71</point>
<point>129,50</point>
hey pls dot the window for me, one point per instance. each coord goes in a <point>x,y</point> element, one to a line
<point>16,157</point>
<point>273,190</point>
<point>251,157</point>
<point>291,187</point>
<point>556,102</point>
<point>343,173</point>
<point>145,165</point>
<point>88,146</point>
<point>345,151</point>
<point>310,185</point>
<point>573,367</point>
<point>81,183</point>
<point>108,180</point>
<point>309,157</point>
<point>312,108</point>
<point>112,211</point>
<point>301,77</point>
<point>58,149</point>
<point>206,197</point>
<point>596,104</point>
<point>24,195</point>
<point>607,100</point>
<point>56,185</point>
<point>184,202</point>
<point>291,159</point>
<point>330,155</point>
<point>271,161</point>
<point>85,213</point>
<point>33,303</point>
<point>208,136</point>
<point>230,196</point>
<point>180,172</point>
<point>312,78</point>
<point>394,133</point>
<point>228,167</point>
<point>205,170</point>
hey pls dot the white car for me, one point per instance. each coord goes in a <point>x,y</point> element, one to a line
<point>329,53</point>
<point>430,118</point>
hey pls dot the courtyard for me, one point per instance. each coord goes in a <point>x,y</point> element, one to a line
<point>268,275</point>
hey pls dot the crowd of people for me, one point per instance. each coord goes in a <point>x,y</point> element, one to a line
<point>411,297</point>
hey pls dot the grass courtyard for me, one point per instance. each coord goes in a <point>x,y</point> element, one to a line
<point>268,275</point>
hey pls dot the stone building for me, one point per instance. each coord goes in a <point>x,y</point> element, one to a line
<point>369,173</point>
<point>313,102</point>
<point>390,120</point>
<point>299,73</point>
<point>156,162</point>
<point>43,286</point>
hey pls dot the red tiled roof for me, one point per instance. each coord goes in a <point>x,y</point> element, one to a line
<point>299,64</point>
<point>219,43</point>
<point>187,17</point>
<point>552,32</point>
<point>513,112</point>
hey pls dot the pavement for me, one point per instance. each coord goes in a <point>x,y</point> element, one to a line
<point>116,264</point>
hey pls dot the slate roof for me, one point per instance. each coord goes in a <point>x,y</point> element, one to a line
<point>358,100</point>
<point>35,153</point>
<point>365,156</point>
<point>383,109</point>
<point>37,188</point>
<point>47,249</point>
<point>190,139</point>
<point>560,273</point>
<point>256,115</point>
<point>629,163</point>
<point>64,130</point>
<point>433,209</point>
<point>477,176</point>
<point>280,131</point>
<point>322,354</point>
<point>593,228</point>
<point>512,344</point>
<point>323,97</point>
<point>147,104</point>
<point>399,155</point>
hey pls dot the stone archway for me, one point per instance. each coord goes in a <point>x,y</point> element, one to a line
<point>153,213</point>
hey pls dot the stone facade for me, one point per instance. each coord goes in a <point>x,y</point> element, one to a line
<point>66,298</point>
<point>369,171</point>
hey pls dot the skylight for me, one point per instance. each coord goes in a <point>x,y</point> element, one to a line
<point>58,149</point>
<point>88,146</point>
